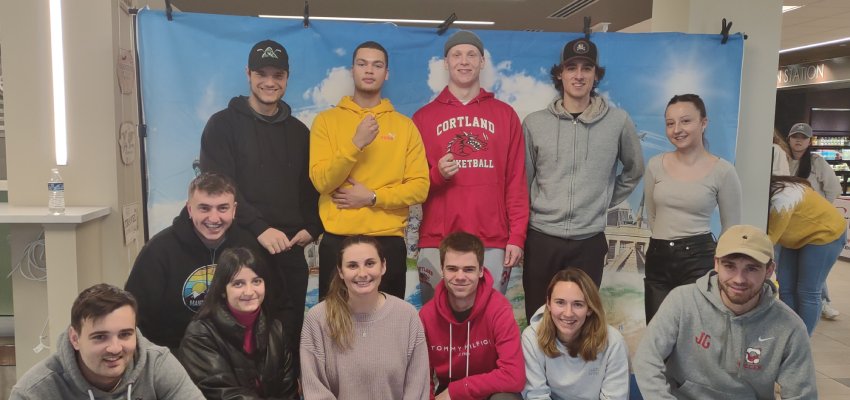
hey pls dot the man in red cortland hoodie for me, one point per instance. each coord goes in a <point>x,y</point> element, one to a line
<point>473,340</point>
<point>476,154</point>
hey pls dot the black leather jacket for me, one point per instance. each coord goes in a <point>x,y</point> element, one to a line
<point>211,352</point>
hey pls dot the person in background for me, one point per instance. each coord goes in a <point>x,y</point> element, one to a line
<point>235,348</point>
<point>582,157</point>
<point>473,340</point>
<point>682,188</point>
<point>360,343</point>
<point>812,233</point>
<point>570,351</point>
<point>811,166</point>
<point>781,154</point>
<point>727,336</point>
<point>103,356</point>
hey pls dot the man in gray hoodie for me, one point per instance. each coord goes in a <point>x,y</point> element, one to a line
<point>726,336</point>
<point>573,150</point>
<point>103,356</point>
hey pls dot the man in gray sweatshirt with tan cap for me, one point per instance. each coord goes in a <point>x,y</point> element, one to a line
<point>582,157</point>
<point>727,336</point>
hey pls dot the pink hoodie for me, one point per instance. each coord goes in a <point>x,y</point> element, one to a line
<point>478,357</point>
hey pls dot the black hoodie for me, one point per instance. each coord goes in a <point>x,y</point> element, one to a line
<point>171,275</point>
<point>269,160</point>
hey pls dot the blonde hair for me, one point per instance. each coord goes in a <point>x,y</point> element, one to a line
<point>779,140</point>
<point>593,336</point>
<point>336,302</point>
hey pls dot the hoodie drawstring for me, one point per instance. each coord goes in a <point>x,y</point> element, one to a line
<point>468,325</point>
<point>558,141</point>
<point>451,345</point>
<point>91,396</point>
<point>129,391</point>
<point>450,352</point>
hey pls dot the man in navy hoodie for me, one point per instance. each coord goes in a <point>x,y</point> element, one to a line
<point>173,271</point>
<point>259,144</point>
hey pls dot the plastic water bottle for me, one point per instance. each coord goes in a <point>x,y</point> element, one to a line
<point>56,189</point>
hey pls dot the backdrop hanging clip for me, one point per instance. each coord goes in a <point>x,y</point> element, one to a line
<point>587,28</point>
<point>168,10</point>
<point>724,30</point>
<point>442,28</point>
<point>306,13</point>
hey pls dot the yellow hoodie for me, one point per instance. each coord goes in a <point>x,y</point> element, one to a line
<point>800,216</point>
<point>393,166</point>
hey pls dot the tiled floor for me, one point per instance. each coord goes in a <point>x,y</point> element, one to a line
<point>831,341</point>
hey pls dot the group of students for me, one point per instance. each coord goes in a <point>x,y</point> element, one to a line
<point>724,336</point>
<point>225,291</point>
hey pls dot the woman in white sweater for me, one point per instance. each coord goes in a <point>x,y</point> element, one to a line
<point>570,352</point>
<point>682,188</point>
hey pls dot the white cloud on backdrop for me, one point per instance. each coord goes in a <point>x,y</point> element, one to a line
<point>522,91</point>
<point>327,93</point>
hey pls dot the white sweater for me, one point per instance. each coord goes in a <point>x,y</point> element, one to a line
<point>571,378</point>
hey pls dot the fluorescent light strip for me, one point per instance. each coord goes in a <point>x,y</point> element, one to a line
<point>403,21</point>
<point>57,55</point>
<point>809,46</point>
<point>785,9</point>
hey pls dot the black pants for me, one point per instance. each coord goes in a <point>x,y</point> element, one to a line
<point>672,263</point>
<point>546,255</point>
<point>394,280</point>
<point>289,293</point>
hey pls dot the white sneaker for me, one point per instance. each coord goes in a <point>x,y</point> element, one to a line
<point>828,312</point>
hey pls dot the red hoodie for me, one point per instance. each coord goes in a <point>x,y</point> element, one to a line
<point>493,363</point>
<point>488,197</point>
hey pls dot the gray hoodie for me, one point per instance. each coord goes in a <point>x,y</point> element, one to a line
<point>154,374</point>
<point>711,353</point>
<point>572,167</point>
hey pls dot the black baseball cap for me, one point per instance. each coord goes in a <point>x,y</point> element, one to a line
<point>580,48</point>
<point>268,53</point>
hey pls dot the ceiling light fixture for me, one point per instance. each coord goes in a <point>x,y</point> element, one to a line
<point>809,46</point>
<point>57,58</point>
<point>402,21</point>
<point>785,9</point>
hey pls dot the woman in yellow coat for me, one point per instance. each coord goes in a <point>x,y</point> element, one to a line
<point>812,234</point>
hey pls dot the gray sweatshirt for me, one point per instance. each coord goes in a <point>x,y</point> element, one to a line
<point>711,353</point>
<point>822,177</point>
<point>154,374</point>
<point>572,167</point>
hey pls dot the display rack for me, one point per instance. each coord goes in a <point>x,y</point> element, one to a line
<point>834,147</point>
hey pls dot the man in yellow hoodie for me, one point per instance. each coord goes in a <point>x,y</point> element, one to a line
<point>368,164</point>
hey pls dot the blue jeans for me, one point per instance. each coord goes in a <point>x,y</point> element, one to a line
<point>802,273</point>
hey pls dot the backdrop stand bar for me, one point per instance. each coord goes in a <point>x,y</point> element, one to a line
<point>442,28</point>
<point>586,29</point>
<point>306,13</point>
<point>168,10</point>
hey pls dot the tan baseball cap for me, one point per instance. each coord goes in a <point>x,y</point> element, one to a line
<point>748,240</point>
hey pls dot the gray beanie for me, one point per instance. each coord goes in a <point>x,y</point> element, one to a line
<point>463,37</point>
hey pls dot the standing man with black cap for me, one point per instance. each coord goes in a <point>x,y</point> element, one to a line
<point>573,151</point>
<point>474,148</point>
<point>259,144</point>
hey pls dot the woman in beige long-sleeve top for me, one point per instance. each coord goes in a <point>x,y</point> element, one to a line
<point>360,343</point>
